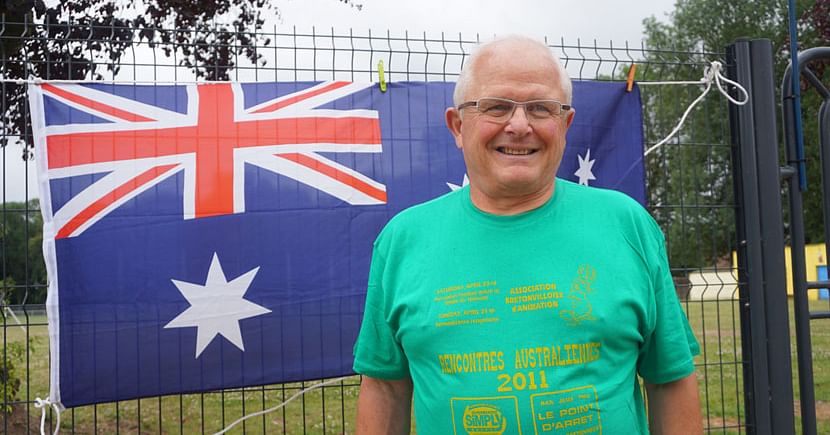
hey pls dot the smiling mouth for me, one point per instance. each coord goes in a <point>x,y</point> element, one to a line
<point>515,152</point>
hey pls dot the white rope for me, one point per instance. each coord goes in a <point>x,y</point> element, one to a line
<point>8,309</point>
<point>266,411</point>
<point>676,82</point>
<point>43,404</point>
<point>712,74</point>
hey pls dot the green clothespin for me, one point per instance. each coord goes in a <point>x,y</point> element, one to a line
<point>381,76</point>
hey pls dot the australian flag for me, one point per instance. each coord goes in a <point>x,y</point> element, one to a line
<point>210,236</point>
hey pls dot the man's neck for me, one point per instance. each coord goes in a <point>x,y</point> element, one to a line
<point>510,205</point>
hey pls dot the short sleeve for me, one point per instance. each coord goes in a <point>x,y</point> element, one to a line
<point>668,351</point>
<point>377,352</point>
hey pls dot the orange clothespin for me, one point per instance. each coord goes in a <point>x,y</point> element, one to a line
<point>629,85</point>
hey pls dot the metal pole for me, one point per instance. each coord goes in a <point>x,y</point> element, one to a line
<point>764,315</point>
<point>796,103</point>
<point>824,142</point>
<point>772,232</point>
<point>753,332</point>
<point>790,89</point>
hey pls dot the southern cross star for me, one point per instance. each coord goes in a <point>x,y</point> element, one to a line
<point>217,306</point>
<point>584,172</point>
<point>454,187</point>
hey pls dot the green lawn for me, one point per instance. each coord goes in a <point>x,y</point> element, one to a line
<point>720,373</point>
<point>331,410</point>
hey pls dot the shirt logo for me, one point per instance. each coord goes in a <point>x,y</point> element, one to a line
<point>580,305</point>
<point>484,419</point>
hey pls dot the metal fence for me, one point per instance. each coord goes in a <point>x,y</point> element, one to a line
<point>689,192</point>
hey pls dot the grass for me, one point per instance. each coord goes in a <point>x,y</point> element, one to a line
<point>720,364</point>
<point>331,410</point>
<point>328,410</point>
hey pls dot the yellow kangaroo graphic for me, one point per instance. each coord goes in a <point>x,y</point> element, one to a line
<point>580,309</point>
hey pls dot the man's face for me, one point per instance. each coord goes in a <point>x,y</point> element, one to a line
<point>518,157</point>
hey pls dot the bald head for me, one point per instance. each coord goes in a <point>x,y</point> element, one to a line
<point>510,49</point>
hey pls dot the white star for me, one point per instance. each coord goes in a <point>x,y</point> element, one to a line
<point>216,307</point>
<point>584,172</point>
<point>455,187</point>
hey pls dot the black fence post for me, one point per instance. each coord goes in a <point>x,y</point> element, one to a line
<point>765,334</point>
<point>824,141</point>
<point>801,309</point>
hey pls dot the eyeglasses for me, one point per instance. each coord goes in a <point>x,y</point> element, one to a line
<point>501,109</point>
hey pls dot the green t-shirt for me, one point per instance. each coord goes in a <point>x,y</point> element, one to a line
<point>532,323</point>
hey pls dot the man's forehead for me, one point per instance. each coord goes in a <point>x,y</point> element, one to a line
<point>512,56</point>
<point>515,48</point>
<point>501,69</point>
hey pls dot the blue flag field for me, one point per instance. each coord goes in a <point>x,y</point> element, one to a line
<point>210,236</point>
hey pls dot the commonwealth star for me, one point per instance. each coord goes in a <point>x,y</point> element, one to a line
<point>217,306</point>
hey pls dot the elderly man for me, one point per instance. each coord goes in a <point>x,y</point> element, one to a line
<point>523,303</point>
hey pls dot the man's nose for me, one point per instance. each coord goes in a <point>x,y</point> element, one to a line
<point>518,122</point>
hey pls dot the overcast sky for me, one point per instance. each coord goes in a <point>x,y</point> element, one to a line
<point>587,20</point>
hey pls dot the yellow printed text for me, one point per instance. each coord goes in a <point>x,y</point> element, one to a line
<point>557,355</point>
<point>471,362</point>
<point>533,288</point>
<point>562,424</point>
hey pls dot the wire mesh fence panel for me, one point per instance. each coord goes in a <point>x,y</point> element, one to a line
<point>689,192</point>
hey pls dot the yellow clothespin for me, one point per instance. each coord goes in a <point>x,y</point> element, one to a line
<point>381,76</point>
<point>629,85</point>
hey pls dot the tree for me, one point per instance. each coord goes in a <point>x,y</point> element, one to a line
<point>694,171</point>
<point>85,38</point>
<point>21,254</point>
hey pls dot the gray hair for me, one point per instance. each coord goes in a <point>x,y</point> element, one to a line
<point>466,75</point>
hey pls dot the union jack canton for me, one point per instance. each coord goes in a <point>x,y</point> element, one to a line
<point>210,142</point>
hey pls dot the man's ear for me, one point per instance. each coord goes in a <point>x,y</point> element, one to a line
<point>453,118</point>
<point>569,118</point>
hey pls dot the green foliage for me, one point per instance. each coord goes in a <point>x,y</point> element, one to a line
<point>11,374</point>
<point>6,285</point>
<point>21,253</point>
<point>690,177</point>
